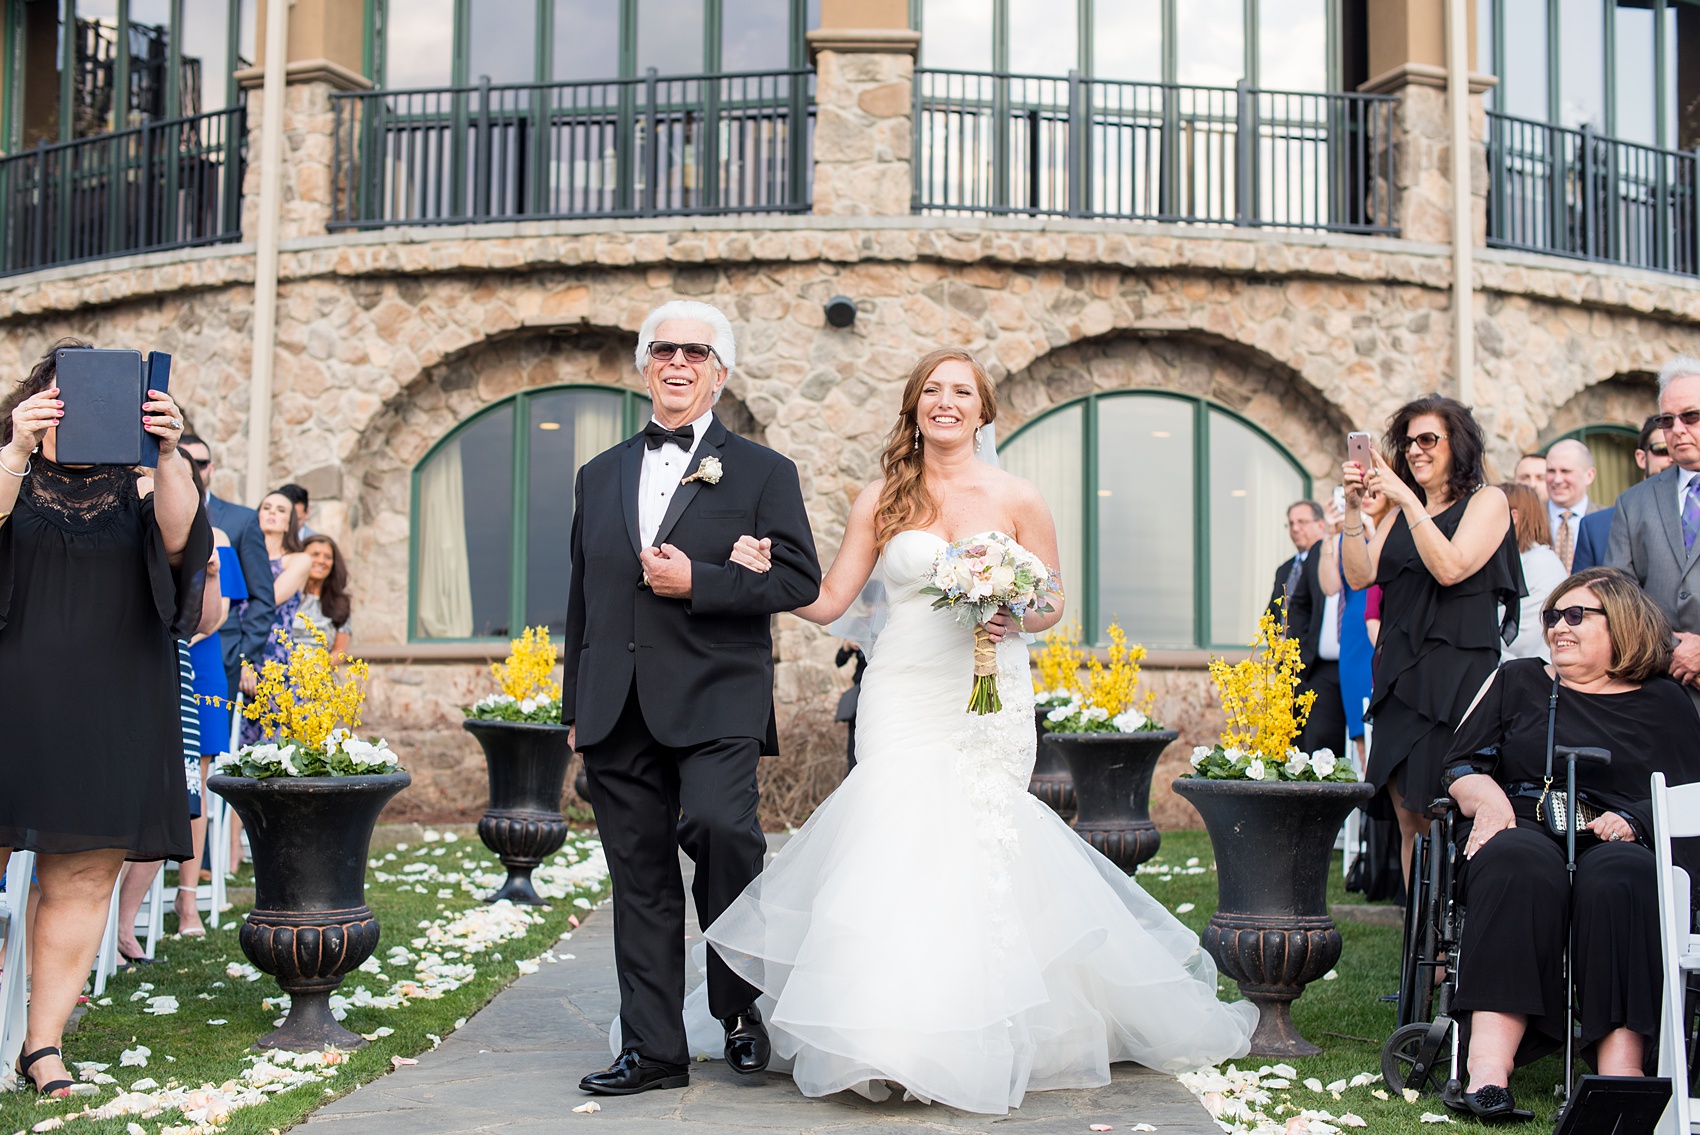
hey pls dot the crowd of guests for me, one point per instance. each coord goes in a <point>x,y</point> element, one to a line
<point>161,599</point>
<point>1460,612</point>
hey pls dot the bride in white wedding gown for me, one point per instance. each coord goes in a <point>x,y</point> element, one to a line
<point>933,925</point>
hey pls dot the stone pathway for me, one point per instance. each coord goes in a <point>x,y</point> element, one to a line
<point>514,1070</point>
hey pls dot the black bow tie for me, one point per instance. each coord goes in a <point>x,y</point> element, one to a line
<point>656,435</point>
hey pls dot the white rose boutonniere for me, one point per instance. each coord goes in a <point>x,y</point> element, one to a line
<point>708,472</point>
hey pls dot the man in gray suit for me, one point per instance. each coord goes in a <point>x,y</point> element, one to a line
<point>1655,533</point>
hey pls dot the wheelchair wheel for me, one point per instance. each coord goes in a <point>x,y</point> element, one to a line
<point>1419,1056</point>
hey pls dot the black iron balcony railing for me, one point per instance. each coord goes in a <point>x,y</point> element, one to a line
<point>651,146</point>
<point>161,185</point>
<point>1578,193</point>
<point>994,143</point>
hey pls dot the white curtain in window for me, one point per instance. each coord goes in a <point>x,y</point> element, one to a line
<point>1048,454</point>
<point>596,427</point>
<point>444,600</point>
<point>1251,486</point>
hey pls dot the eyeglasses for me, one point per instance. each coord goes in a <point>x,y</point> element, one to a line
<point>199,463</point>
<point>661,351</point>
<point>1571,615</point>
<point>1659,449</point>
<point>1424,442</point>
<point>1690,418</point>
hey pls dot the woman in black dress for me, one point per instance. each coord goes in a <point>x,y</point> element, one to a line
<point>1447,565</point>
<point>1612,694</point>
<point>100,573</point>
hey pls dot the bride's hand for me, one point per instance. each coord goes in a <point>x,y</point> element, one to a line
<point>752,553</point>
<point>1001,624</point>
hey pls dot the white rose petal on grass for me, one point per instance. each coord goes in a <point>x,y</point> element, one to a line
<point>145,1084</point>
<point>135,1057</point>
<point>1337,1086</point>
<point>1379,1093</point>
<point>379,1033</point>
<point>1185,908</point>
<point>1350,1120</point>
<point>527,966</point>
<point>1431,1117</point>
<point>1313,1084</point>
<point>219,1021</point>
<point>1363,1078</point>
<point>1330,975</point>
<point>588,1108</point>
<point>1411,1095</point>
<point>162,1006</point>
<point>398,1061</point>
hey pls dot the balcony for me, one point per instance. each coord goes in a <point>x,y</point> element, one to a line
<point>991,143</point>
<point>642,147</point>
<point>162,185</point>
<point>1577,193</point>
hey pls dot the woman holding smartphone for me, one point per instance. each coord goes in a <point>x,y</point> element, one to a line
<point>1446,560</point>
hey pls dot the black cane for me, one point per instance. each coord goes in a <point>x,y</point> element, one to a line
<point>1573,814</point>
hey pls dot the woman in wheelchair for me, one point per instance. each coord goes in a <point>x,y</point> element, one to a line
<point>1611,650</point>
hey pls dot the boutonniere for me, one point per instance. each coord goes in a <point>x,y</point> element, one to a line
<point>708,472</point>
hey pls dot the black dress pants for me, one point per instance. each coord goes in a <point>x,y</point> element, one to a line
<point>1326,726</point>
<point>1511,957</point>
<point>650,801</point>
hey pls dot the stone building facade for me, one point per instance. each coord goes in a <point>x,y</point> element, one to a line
<point>389,339</point>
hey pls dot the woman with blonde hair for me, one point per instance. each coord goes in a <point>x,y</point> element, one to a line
<point>1008,956</point>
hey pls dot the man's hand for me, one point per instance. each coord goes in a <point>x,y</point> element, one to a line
<point>572,737</point>
<point>249,681</point>
<point>668,571</point>
<point>1685,662</point>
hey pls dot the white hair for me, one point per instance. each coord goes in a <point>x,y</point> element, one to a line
<point>1680,367</point>
<point>725,344</point>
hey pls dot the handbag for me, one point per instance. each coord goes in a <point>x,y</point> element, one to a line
<point>1553,808</point>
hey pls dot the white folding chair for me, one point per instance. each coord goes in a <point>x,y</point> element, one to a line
<point>1352,832</point>
<point>14,979</point>
<point>1676,815</point>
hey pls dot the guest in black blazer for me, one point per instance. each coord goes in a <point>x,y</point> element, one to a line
<point>668,681</point>
<point>243,635</point>
<point>1304,529</point>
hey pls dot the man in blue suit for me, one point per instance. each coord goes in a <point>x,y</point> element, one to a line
<point>243,635</point>
<point>1593,532</point>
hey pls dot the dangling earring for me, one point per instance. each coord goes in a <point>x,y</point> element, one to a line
<point>917,437</point>
<point>976,439</point>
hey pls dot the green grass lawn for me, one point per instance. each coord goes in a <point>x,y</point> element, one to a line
<point>443,880</point>
<point>1343,1016</point>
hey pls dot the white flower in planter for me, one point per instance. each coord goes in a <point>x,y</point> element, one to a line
<point>1297,763</point>
<point>1323,763</point>
<point>1199,753</point>
<point>1130,721</point>
<point>1255,770</point>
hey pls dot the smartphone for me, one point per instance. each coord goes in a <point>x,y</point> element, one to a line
<point>1359,448</point>
<point>1339,498</point>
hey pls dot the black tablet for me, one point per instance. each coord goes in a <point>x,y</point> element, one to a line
<point>103,391</point>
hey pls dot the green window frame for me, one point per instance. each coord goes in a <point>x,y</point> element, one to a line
<point>1085,592</point>
<point>11,124</point>
<point>804,14</point>
<point>1170,55</point>
<point>634,411</point>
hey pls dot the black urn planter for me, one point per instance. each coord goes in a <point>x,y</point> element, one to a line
<point>1111,774</point>
<point>1271,931</point>
<point>1051,781</point>
<point>523,825</point>
<point>310,924</point>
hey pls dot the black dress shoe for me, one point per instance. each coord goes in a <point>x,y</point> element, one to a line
<point>1491,1102</point>
<point>632,1073</point>
<point>747,1047</point>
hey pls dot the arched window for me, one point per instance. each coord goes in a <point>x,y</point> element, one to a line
<point>493,511</point>
<point>1170,511</point>
<point>1613,448</point>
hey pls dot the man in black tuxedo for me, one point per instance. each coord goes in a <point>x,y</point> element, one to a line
<point>244,633</point>
<point>668,681</point>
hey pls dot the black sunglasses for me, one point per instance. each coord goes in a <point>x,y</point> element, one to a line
<point>1659,449</point>
<point>661,351</point>
<point>199,463</point>
<point>1424,442</point>
<point>1689,418</point>
<point>1571,615</point>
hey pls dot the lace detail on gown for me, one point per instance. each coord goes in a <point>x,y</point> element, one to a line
<point>936,927</point>
<point>79,500</point>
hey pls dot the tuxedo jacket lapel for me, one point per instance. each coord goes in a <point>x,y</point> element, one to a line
<point>631,464</point>
<point>713,437</point>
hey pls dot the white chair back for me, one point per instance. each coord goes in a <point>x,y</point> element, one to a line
<point>14,979</point>
<point>1676,815</point>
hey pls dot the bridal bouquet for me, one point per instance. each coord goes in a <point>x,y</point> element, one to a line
<point>529,693</point>
<point>973,578</point>
<point>307,710</point>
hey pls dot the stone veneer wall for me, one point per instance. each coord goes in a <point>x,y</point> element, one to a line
<point>388,339</point>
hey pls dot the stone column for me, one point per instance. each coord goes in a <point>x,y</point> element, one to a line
<point>864,54</point>
<point>1407,59</point>
<point>326,48</point>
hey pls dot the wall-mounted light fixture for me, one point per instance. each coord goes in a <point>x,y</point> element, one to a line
<point>841,311</point>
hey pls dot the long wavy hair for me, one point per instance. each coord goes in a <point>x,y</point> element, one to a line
<point>904,500</point>
<point>1466,473</point>
<point>334,599</point>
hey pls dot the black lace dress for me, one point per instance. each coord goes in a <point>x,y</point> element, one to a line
<point>91,753</point>
<point>1436,648</point>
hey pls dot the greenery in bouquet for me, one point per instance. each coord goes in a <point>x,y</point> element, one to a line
<point>1265,715</point>
<point>530,694</point>
<point>972,578</point>
<point>1107,700</point>
<point>307,708</point>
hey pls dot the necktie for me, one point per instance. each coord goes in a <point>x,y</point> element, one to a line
<point>1292,582</point>
<point>1691,513</point>
<point>656,435</point>
<point>1566,540</point>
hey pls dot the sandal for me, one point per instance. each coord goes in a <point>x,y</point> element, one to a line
<point>195,931</point>
<point>59,1089</point>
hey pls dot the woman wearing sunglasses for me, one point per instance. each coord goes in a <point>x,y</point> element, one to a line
<point>1610,648</point>
<point>1448,566</point>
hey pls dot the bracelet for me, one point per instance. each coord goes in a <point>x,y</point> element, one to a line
<point>1424,520</point>
<point>14,472</point>
<point>1358,531</point>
